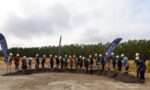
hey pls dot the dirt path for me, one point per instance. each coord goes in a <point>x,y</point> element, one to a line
<point>65,81</point>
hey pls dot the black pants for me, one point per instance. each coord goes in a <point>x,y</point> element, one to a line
<point>43,65</point>
<point>103,67</point>
<point>142,75</point>
<point>52,65</point>
<point>119,67</point>
<point>138,72</point>
<point>114,65</point>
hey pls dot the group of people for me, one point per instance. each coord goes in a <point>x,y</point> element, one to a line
<point>86,64</point>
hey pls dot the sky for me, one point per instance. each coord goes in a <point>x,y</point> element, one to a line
<point>34,23</point>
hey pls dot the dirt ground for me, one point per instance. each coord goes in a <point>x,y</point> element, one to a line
<point>64,81</point>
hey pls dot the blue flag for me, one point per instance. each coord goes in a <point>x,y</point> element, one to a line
<point>4,47</point>
<point>112,46</point>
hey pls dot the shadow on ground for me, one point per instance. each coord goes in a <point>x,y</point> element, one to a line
<point>123,77</point>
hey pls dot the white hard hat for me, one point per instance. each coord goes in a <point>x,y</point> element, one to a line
<point>56,56</point>
<point>69,56</point>
<point>17,54</point>
<point>117,56</point>
<point>106,53</point>
<point>137,58</point>
<point>122,55</point>
<point>83,57</point>
<point>60,57</point>
<point>44,55</point>
<point>100,55</point>
<point>90,56</point>
<point>80,56</point>
<point>50,55</point>
<point>95,54</point>
<point>112,53</point>
<point>24,57</point>
<point>37,55</point>
<point>10,54</point>
<point>137,54</point>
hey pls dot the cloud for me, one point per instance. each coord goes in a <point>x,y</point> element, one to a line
<point>79,21</point>
<point>55,19</point>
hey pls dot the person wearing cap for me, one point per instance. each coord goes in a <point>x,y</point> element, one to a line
<point>17,61</point>
<point>24,63</point>
<point>37,59</point>
<point>43,61</point>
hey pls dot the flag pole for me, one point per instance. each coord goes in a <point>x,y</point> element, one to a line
<point>59,48</point>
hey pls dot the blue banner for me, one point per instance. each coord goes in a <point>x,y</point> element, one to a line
<point>112,46</point>
<point>4,47</point>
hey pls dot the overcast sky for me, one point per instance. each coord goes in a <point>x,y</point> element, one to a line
<point>30,23</point>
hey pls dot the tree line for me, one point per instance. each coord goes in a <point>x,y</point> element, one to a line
<point>129,48</point>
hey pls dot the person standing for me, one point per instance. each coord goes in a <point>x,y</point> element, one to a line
<point>86,63</point>
<point>142,67</point>
<point>24,64</point>
<point>120,63</point>
<point>103,62</point>
<point>75,61</point>
<point>125,64</point>
<point>91,63</point>
<point>113,62</point>
<point>51,61</point>
<point>108,61</point>
<point>57,61</point>
<point>30,63</point>
<point>10,59</point>
<point>71,62</point>
<point>65,59</point>
<point>61,62</point>
<point>17,62</point>
<point>37,59</point>
<point>43,61</point>
<point>137,62</point>
<point>80,60</point>
<point>99,60</point>
<point>96,60</point>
